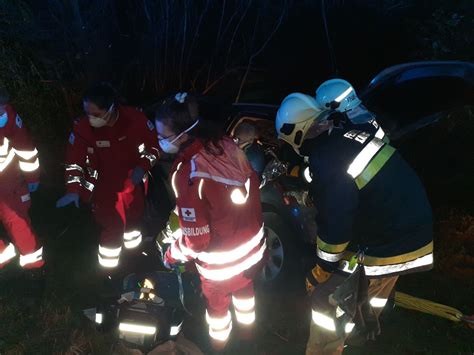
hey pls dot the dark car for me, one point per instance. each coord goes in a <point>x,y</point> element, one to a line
<point>405,98</point>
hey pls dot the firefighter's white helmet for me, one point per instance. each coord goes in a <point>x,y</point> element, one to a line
<point>296,115</point>
<point>336,94</point>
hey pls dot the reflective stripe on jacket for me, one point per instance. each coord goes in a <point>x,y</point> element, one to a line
<point>369,199</point>
<point>218,202</point>
<point>18,155</point>
<point>106,156</point>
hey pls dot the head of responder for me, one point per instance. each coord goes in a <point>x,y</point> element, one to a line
<point>245,135</point>
<point>178,123</point>
<point>300,118</point>
<point>100,103</point>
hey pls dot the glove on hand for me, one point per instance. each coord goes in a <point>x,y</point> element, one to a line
<point>137,175</point>
<point>315,277</point>
<point>33,186</point>
<point>67,199</point>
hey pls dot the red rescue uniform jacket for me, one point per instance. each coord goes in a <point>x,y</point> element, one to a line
<point>102,159</point>
<point>18,155</point>
<point>220,215</point>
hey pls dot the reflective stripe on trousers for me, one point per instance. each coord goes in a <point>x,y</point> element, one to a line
<point>326,322</point>
<point>109,257</point>
<point>132,239</point>
<point>219,327</point>
<point>323,338</point>
<point>7,254</point>
<point>32,257</point>
<point>244,309</point>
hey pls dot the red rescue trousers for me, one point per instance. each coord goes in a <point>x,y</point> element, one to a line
<point>219,295</point>
<point>14,205</point>
<point>119,216</point>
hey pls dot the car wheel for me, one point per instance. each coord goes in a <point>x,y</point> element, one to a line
<point>282,259</point>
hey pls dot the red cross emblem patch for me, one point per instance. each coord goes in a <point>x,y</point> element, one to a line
<point>188,214</point>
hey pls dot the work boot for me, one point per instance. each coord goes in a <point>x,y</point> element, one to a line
<point>246,333</point>
<point>245,342</point>
<point>218,346</point>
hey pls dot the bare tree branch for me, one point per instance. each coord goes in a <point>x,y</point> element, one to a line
<point>260,50</point>
<point>217,42</point>
<point>183,44</point>
<point>219,79</point>
<point>235,32</point>
<point>196,36</point>
<point>167,19</point>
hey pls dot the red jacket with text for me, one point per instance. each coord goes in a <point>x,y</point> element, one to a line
<point>218,201</point>
<point>104,158</point>
<point>18,155</point>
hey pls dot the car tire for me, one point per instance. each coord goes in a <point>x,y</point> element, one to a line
<point>283,260</point>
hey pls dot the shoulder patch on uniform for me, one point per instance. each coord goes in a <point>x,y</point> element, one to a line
<point>72,138</point>
<point>150,125</point>
<point>19,122</point>
<point>188,214</point>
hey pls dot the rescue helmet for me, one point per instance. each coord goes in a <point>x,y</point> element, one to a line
<point>296,115</point>
<point>336,94</point>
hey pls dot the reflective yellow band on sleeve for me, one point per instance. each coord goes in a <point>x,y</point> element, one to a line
<point>374,166</point>
<point>331,248</point>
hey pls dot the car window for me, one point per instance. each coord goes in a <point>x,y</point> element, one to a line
<point>406,101</point>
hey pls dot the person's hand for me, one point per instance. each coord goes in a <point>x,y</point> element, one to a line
<point>68,199</point>
<point>137,175</point>
<point>33,186</point>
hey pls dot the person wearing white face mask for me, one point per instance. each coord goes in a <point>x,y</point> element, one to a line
<point>109,152</point>
<point>101,121</point>
<point>218,202</point>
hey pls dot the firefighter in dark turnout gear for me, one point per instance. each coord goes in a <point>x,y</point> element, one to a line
<point>370,202</point>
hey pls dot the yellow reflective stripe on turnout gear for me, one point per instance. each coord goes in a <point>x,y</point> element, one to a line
<point>398,259</point>
<point>381,270</point>
<point>374,166</point>
<point>329,257</point>
<point>331,248</point>
<point>324,321</point>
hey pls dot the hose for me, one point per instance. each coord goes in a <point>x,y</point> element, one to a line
<point>440,310</point>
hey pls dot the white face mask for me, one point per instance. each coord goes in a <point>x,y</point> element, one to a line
<point>98,122</point>
<point>169,146</point>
